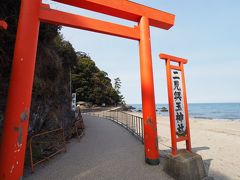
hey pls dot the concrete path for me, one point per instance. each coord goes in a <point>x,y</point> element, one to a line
<point>106,152</point>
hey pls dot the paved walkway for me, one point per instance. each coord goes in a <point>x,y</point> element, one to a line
<point>106,152</point>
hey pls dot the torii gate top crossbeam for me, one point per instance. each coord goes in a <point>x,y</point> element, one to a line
<point>52,16</point>
<point>173,58</point>
<point>126,10</point>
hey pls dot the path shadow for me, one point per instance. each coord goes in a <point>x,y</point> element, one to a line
<point>217,176</point>
<point>196,149</point>
<point>163,153</point>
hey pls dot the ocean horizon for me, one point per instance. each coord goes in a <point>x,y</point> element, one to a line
<point>220,111</point>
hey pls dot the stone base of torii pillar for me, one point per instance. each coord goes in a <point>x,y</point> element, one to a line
<point>185,166</point>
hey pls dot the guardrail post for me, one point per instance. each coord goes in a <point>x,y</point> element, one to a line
<point>117,115</point>
<point>127,122</point>
<point>139,127</point>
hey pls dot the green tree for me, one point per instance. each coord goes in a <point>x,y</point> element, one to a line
<point>91,84</point>
<point>117,86</point>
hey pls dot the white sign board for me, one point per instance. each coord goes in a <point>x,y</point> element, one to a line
<point>74,101</point>
<point>179,113</point>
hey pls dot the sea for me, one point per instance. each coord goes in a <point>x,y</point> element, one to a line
<point>219,111</point>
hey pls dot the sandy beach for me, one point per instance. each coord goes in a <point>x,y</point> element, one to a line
<point>217,141</point>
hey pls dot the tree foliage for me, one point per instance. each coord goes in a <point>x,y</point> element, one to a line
<point>117,86</point>
<point>91,84</point>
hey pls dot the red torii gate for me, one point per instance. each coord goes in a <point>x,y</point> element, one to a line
<point>14,138</point>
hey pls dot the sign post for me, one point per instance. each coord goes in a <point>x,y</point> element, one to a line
<point>177,98</point>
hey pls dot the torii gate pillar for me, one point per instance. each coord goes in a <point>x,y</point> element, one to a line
<point>15,130</point>
<point>148,98</point>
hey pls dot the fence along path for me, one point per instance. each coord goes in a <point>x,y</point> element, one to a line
<point>107,151</point>
<point>133,123</point>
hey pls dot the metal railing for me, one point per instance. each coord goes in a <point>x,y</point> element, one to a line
<point>45,145</point>
<point>132,123</point>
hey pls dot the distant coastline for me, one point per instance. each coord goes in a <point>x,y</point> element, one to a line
<point>218,111</point>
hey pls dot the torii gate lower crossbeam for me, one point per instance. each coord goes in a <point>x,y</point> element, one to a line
<point>13,145</point>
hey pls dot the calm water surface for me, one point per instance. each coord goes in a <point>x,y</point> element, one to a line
<point>230,111</point>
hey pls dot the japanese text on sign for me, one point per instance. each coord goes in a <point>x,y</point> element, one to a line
<point>179,113</point>
<point>74,99</point>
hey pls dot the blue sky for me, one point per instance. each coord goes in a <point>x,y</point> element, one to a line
<point>205,32</point>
